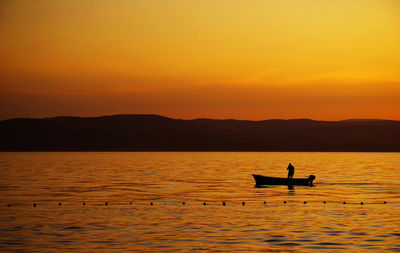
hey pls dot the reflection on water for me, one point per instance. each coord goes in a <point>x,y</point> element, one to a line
<point>274,218</point>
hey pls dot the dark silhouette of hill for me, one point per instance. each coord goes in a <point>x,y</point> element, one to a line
<point>157,133</point>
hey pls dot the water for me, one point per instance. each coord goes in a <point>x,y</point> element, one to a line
<point>168,179</point>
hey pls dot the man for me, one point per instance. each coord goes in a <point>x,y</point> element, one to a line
<point>290,168</point>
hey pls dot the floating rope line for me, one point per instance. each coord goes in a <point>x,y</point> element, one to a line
<point>204,203</point>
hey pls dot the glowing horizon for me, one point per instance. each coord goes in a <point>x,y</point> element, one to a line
<point>251,60</point>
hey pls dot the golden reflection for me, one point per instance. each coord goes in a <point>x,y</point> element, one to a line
<point>272,218</point>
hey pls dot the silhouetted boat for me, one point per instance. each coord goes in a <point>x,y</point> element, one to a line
<point>263,180</point>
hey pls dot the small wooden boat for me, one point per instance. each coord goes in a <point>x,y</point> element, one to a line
<point>263,180</point>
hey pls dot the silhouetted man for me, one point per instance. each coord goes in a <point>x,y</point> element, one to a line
<point>290,168</point>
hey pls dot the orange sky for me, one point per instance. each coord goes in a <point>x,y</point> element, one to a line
<point>255,59</point>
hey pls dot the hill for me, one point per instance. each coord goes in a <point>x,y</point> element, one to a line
<point>157,133</point>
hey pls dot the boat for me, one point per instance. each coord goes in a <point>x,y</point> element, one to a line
<point>263,180</point>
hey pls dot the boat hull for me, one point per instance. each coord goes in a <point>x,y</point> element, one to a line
<point>263,180</point>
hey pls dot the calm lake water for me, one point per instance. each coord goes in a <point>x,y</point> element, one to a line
<point>129,182</point>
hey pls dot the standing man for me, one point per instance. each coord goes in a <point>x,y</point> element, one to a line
<point>290,168</point>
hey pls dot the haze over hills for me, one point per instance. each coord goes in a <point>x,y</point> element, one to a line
<point>158,133</point>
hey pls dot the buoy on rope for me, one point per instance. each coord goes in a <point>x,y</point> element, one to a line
<point>243,203</point>
<point>223,203</point>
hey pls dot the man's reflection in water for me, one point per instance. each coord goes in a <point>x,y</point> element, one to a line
<point>291,190</point>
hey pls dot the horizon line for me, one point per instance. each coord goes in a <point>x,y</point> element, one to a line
<point>200,118</point>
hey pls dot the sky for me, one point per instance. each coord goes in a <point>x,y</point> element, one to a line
<point>253,59</point>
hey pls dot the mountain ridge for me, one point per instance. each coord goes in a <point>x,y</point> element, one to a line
<point>151,132</point>
<point>165,117</point>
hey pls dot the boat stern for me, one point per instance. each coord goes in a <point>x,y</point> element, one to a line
<point>311,179</point>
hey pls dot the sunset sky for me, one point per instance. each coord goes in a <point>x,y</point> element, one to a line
<point>254,59</point>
